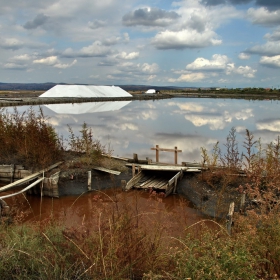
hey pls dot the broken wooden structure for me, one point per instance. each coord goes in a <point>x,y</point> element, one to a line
<point>159,178</point>
<point>50,187</point>
<point>175,150</point>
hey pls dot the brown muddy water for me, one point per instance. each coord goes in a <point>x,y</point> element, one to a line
<point>173,213</point>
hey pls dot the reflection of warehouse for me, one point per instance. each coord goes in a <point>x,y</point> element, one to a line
<point>85,91</point>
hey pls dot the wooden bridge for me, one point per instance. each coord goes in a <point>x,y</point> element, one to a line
<point>160,178</point>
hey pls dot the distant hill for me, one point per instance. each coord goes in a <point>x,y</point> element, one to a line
<point>47,86</point>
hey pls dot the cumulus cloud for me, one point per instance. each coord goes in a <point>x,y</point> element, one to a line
<point>111,41</point>
<point>96,24</point>
<point>245,71</point>
<point>11,43</point>
<point>275,36</point>
<point>150,68</point>
<point>51,60</point>
<point>126,37</point>
<point>189,77</point>
<point>271,4</point>
<point>14,66</point>
<point>214,122</point>
<point>21,57</point>
<point>269,49</point>
<point>65,65</point>
<point>263,16</point>
<point>116,58</point>
<point>243,56</point>
<point>127,56</point>
<point>270,125</point>
<point>39,20</point>
<point>96,49</point>
<point>149,17</point>
<point>273,61</point>
<point>218,62</point>
<point>185,39</point>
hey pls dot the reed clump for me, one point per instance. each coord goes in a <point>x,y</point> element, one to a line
<point>27,138</point>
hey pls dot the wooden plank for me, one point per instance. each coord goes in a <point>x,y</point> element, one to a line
<point>160,167</point>
<point>147,181</point>
<point>23,190</point>
<point>30,177</point>
<point>174,178</point>
<point>107,170</point>
<point>230,217</point>
<point>160,184</point>
<point>169,190</point>
<point>134,181</point>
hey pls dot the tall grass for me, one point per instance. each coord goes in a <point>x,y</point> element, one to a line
<point>28,139</point>
<point>119,242</point>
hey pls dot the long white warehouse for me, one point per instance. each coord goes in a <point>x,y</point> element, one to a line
<point>85,91</point>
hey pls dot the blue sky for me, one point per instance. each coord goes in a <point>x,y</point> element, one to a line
<point>191,43</point>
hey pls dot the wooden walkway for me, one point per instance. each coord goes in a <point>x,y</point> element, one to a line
<point>160,178</point>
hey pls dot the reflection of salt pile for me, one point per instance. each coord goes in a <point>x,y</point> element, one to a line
<point>91,107</point>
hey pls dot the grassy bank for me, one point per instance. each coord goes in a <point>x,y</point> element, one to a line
<point>121,243</point>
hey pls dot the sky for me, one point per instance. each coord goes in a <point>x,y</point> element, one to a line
<point>190,43</point>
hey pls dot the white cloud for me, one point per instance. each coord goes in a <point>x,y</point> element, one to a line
<point>218,62</point>
<point>243,56</point>
<point>275,36</point>
<point>11,43</point>
<point>51,60</point>
<point>150,68</point>
<point>21,57</point>
<point>273,125</point>
<point>96,49</point>
<point>269,48</point>
<point>96,24</point>
<point>127,56</point>
<point>185,39</point>
<point>214,122</point>
<point>64,66</point>
<point>148,16</point>
<point>273,61</point>
<point>126,37</point>
<point>263,16</point>
<point>14,66</point>
<point>245,71</point>
<point>190,77</point>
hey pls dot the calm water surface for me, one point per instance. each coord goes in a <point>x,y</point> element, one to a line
<point>137,126</point>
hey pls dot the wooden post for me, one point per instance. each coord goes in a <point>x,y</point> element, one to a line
<point>175,155</point>
<point>157,153</point>
<point>135,158</point>
<point>123,183</point>
<point>89,180</point>
<point>229,217</point>
<point>133,170</point>
<point>175,150</point>
<point>12,172</point>
<point>242,203</point>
